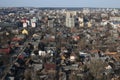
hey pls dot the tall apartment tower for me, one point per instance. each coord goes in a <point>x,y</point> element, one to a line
<point>33,22</point>
<point>70,21</point>
<point>50,23</point>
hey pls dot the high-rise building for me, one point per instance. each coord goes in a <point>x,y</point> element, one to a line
<point>50,23</point>
<point>70,20</point>
<point>81,23</point>
<point>33,22</point>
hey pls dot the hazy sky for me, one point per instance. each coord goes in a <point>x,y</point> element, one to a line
<point>60,3</point>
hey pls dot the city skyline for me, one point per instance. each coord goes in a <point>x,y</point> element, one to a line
<point>60,3</point>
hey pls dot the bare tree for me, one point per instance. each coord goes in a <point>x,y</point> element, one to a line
<point>96,68</point>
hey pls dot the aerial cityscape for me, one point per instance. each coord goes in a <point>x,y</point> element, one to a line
<point>59,40</point>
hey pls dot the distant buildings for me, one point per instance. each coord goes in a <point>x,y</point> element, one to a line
<point>24,24</point>
<point>81,23</point>
<point>115,21</point>
<point>50,23</point>
<point>33,22</point>
<point>114,18</point>
<point>70,20</point>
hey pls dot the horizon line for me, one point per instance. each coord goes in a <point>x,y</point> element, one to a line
<point>51,7</point>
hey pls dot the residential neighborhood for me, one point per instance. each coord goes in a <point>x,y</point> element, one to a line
<point>59,43</point>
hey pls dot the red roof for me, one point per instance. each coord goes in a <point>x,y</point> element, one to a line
<point>16,39</point>
<point>5,50</point>
<point>49,66</point>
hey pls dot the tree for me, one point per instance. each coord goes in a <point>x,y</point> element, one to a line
<point>96,68</point>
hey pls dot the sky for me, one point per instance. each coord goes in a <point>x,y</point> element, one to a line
<point>61,3</point>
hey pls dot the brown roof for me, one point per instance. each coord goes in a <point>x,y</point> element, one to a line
<point>94,51</point>
<point>110,53</point>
